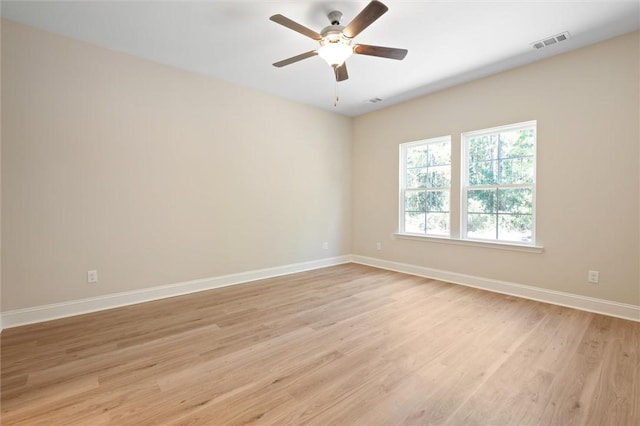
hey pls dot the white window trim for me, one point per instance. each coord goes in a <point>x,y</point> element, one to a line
<point>403,180</point>
<point>500,245</point>
<point>464,178</point>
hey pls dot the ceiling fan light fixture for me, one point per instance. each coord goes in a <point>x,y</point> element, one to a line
<point>336,41</point>
<point>335,52</point>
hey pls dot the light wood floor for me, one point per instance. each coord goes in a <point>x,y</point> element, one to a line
<point>341,345</point>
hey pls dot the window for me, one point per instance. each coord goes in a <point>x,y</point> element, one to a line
<point>425,183</point>
<point>495,203</point>
<point>498,184</point>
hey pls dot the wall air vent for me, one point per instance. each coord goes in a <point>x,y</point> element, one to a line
<point>548,41</point>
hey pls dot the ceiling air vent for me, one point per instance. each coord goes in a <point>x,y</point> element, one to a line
<point>374,100</point>
<point>550,40</point>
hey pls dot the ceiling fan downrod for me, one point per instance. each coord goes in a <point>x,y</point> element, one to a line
<point>335,17</point>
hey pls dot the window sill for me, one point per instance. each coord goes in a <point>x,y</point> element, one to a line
<point>472,243</point>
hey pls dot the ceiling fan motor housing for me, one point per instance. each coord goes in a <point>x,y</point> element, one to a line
<point>334,34</point>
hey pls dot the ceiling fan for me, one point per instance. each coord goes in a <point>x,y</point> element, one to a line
<point>336,41</point>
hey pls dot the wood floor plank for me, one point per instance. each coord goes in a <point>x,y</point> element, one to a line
<point>343,345</point>
<point>573,390</point>
<point>616,399</point>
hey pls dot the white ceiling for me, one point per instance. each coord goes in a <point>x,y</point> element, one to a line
<point>449,42</point>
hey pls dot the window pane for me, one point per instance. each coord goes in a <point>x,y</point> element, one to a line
<point>482,226</point>
<point>438,223</point>
<point>481,201</point>
<point>483,173</point>
<point>437,201</point>
<point>516,170</point>
<point>517,143</point>
<point>439,177</point>
<point>440,154</point>
<point>414,222</point>
<point>433,177</point>
<point>417,156</point>
<point>414,201</point>
<point>417,178</point>
<point>505,141</point>
<point>519,200</point>
<point>517,228</point>
<point>481,148</point>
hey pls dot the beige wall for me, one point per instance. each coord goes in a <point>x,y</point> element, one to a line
<point>153,175</point>
<point>1,180</point>
<point>587,107</point>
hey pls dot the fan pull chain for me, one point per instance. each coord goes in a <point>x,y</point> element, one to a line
<point>337,99</point>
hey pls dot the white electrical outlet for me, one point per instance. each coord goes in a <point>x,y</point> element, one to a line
<point>92,276</point>
<point>325,245</point>
<point>378,246</point>
<point>593,277</point>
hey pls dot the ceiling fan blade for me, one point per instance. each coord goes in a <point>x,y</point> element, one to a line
<point>296,58</point>
<point>284,21</point>
<point>341,72</point>
<point>383,52</point>
<point>366,17</point>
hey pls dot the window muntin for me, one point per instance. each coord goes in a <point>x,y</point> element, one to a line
<point>425,187</point>
<point>498,184</point>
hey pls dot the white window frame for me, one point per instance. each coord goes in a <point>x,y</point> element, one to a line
<point>464,180</point>
<point>403,183</point>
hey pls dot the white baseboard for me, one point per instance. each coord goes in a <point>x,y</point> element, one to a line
<point>37,314</point>
<point>599,306</point>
